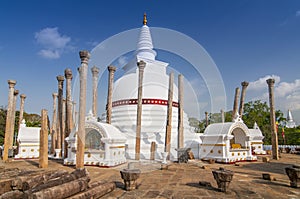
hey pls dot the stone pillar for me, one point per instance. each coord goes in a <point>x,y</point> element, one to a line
<point>111,70</point>
<point>43,153</point>
<point>169,115</point>
<point>63,134</point>
<point>235,103</point>
<point>180,112</point>
<point>54,125</point>
<point>222,116</point>
<point>74,120</point>
<point>275,154</point>
<point>8,131</point>
<point>84,56</point>
<point>95,72</point>
<point>141,65</point>
<point>152,151</point>
<point>13,118</point>
<point>22,96</point>
<point>244,86</point>
<point>60,122</point>
<point>206,119</point>
<point>68,111</point>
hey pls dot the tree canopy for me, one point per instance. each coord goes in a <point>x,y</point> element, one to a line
<point>259,112</point>
<point>32,120</point>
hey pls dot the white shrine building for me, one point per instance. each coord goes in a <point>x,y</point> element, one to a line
<point>104,144</point>
<point>256,138</point>
<point>228,142</point>
<point>28,141</point>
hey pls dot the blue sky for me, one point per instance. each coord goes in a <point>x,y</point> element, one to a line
<point>248,41</point>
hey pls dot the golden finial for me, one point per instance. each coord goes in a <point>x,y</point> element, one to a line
<point>145,19</point>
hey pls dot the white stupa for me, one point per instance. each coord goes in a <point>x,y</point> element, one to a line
<point>289,120</point>
<point>154,103</point>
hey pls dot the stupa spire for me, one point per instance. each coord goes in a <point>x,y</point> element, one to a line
<point>145,19</point>
<point>144,45</point>
<point>289,116</point>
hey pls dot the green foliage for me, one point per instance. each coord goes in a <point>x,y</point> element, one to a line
<point>292,136</point>
<point>259,112</point>
<point>32,120</point>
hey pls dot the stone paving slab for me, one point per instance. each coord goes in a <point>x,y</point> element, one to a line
<point>182,180</point>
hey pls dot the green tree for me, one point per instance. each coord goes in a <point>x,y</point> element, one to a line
<point>259,112</point>
<point>32,120</point>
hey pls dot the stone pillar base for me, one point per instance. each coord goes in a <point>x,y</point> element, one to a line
<point>223,178</point>
<point>130,177</point>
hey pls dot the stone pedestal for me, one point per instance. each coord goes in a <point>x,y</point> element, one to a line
<point>183,155</point>
<point>164,156</point>
<point>294,175</point>
<point>130,177</point>
<point>223,178</point>
<point>57,153</point>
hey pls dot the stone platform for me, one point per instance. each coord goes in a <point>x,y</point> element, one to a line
<point>182,180</point>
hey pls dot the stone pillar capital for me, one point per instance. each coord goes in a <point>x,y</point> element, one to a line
<point>111,68</point>
<point>22,96</point>
<point>95,71</point>
<point>68,74</point>
<point>16,92</point>
<point>245,84</point>
<point>60,78</point>
<point>141,64</point>
<point>270,82</point>
<point>54,95</point>
<point>11,83</point>
<point>84,56</point>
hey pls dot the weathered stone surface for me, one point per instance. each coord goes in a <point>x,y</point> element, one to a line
<point>223,178</point>
<point>130,177</point>
<point>265,159</point>
<point>294,175</point>
<point>183,155</point>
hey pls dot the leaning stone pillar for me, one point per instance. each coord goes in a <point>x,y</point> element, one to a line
<point>60,122</point>
<point>206,119</point>
<point>235,103</point>
<point>244,86</point>
<point>43,153</point>
<point>22,96</point>
<point>54,125</point>
<point>8,133</point>
<point>111,70</point>
<point>275,154</point>
<point>95,72</point>
<point>169,116</point>
<point>180,112</point>
<point>68,110</point>
<point>84,56</point>
<point>16,92</point>
<point>141,65</point>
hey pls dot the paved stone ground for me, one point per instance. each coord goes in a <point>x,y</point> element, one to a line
<point>182,180</point>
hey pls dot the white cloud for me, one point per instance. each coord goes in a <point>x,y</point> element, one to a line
<point>298,13</point>
<point>287,94</point>
<point>51,54</point>
<point>261,83</point>
<point>53,43</point>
